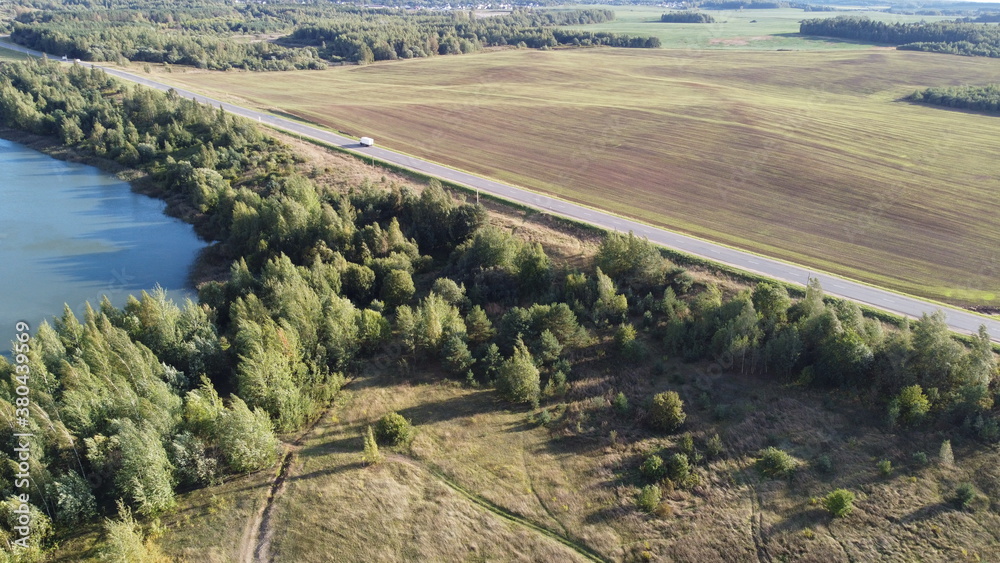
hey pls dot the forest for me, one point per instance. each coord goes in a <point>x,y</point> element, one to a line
<point>981,40</point>
<point>686,17</point>
<point>402,36</point>
<point>222,36</point>
<point>975,98</point>
<point>142,402</point>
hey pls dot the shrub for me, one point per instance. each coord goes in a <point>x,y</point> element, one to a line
<point>775,463</point>
<point>393,429</point>
<point>648,498</point>
<point>652,468</point>
<point>885,467</point>
<point>920,458</point>
<point>713,447</point>
<point>839,503</point>
<point>686,444</point>
<point>620,403</point>
<point>678,468</point>
<point>667,412</point>
<point>964,494</point>
<point>824,464</point>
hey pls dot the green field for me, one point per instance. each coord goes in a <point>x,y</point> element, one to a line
<point>806,156</point>
<point>746,29</point>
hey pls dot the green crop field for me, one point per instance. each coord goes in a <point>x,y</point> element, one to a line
<point>739,29</point>
<point>807,156</point>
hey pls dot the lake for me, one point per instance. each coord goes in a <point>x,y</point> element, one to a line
<point>70,233</point>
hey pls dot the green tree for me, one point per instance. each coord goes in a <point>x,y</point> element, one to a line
<point>145,477</point>
<point>455,355</point>
<point>913,404</point>
<point>667,411</point>
<point>479,327</point>
<point>372,455</point>
<point>397,288</point>
<point>945,455</point>
<point>126,543</point>
<point>772,302</point>
<point>246,439</point>
<point>518,379</point>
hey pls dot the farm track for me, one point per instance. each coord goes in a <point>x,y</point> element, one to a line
<point>256,543</point>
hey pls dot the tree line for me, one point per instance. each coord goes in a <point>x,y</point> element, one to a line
<point>686,17</point>
<point>217,36</point>
<point>402,35</point>
<point>940,37</point>
<point>152,398</point>
<point>976,98</point>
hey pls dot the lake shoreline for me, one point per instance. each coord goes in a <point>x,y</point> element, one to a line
<point>209,265</point>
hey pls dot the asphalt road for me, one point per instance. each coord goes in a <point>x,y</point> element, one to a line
<point>959,320</point>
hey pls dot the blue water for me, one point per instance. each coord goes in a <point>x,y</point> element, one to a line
<point>70,233</point>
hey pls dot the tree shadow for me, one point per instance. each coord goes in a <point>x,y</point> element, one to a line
<point>450,409</point>
<point>328,471</point>
<point>822,39</point>
<point>354,442</point>
<point>926,512</point>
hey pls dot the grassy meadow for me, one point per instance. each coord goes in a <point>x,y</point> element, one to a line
<point>577,477</point>
<point>806,156</point>
<point>740,29</point>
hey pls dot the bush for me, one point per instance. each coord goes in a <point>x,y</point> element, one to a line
<point>964,494</point>
<point>885,467</point>
<point>667,412</point>
<point>824,464</point>
<point>678,468</point>
<point>686,444</point>
<point>839,503</point>
<point>648,498</point>
<point>620,403</point>
<point>713,447</point>
<point>775,463</point>
<point>652,468</point>
<point>920,458</point>
<point>392,429</point>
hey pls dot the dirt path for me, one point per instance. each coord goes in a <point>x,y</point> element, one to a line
<point>255,545</point>
<point>585,551</point>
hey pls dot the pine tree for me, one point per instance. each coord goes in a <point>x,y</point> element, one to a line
<point>946,457</point>
<point>372,455</point>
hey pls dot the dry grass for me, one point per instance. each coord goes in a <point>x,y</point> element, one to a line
<point>571,478</point>
<point>806,156</point>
